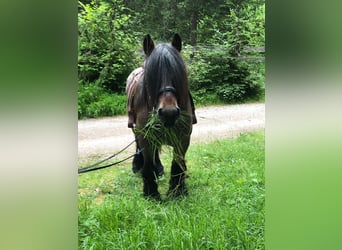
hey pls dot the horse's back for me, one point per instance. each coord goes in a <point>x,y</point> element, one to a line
<point>133,80</point>
<point>131,86</point>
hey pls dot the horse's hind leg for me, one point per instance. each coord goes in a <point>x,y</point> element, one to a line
<point>138,160</point>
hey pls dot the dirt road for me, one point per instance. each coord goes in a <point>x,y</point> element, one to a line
<point>102,137</point>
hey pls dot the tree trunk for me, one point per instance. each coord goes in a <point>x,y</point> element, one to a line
<point>173,13</point>
<point>193,26</point>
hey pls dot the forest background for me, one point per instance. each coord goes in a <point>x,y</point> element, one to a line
<point>223,46</point>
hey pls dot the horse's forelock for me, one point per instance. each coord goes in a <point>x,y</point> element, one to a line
<point>164,67</point>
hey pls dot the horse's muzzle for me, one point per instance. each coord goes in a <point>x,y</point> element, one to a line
<point>168,115</point>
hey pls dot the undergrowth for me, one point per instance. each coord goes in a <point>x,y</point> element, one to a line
<point>95,101</point>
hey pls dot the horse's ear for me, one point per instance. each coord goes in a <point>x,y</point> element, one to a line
<point>148,45</point>
<point>177,42</point>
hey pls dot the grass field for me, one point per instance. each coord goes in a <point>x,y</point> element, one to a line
<point>224,209</point>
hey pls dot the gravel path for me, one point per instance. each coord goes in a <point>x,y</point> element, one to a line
<point>104,136</point>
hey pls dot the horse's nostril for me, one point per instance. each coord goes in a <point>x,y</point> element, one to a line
<point>169,112</point>
<point>168,115</point>
<point>160,112</point>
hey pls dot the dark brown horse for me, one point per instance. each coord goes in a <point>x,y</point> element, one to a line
<point>163,91</point>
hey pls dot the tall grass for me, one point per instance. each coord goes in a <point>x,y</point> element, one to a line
<point>224,208</point>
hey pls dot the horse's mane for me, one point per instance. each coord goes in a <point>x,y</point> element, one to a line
<point>164,67</point>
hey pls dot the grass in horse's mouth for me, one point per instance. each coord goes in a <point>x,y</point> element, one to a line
<point>157,134</point>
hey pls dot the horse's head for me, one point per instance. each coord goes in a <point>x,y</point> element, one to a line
<point>165,78</point>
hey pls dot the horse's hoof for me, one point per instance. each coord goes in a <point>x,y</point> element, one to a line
<point>177,192</point>
<point>153,197</point>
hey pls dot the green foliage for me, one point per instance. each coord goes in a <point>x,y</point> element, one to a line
<point>107,52</point>
<point>229,68</point>
<point>94,101</point>
<point>213,73</point>
<point>225,208</point>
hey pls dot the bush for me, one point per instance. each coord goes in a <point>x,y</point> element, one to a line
<point>229,68</point>
<point>213,73</point>
<point>94,101</point>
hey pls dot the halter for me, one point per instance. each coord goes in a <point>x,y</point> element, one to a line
<point>167,89</point>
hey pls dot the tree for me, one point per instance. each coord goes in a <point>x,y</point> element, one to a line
<point>106,51</point>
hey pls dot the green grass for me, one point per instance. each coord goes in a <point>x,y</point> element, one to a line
<point>224,208</point>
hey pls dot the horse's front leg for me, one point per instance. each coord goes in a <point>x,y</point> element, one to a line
<point>149,175</point>
<point>178,174</point>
